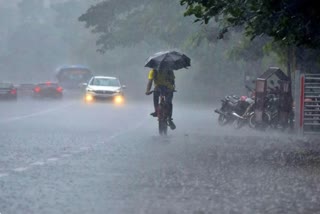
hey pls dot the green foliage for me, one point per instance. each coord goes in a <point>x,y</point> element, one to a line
<point>160,24</point>
<point>293,22</point>
<point>124,24</point>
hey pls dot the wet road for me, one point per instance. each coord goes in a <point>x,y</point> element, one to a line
<point>68,157</point>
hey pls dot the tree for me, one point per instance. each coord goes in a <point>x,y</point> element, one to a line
<point>160,24</point>
<point>293,22</point>
<point>130,22</point>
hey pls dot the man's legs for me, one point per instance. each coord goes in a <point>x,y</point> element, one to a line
<point>169,99</point>
<point>156,95</point>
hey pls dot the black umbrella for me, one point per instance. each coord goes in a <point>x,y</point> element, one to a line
<point>168,60</point>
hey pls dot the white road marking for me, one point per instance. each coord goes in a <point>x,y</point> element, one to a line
<point>20,169</point>
<point>2,175</point>
<point>38,163</point>
<point>39,113</point>
<point>52,159</point>
<point>81,149</point>
<point>136,126</point>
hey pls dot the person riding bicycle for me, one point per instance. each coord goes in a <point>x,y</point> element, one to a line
<point>163,80</point>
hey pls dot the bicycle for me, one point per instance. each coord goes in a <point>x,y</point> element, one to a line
<point>163,113</point>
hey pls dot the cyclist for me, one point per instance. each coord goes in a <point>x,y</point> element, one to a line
<point>163,80</point>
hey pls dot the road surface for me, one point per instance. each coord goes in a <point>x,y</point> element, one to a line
<point>68,157</point>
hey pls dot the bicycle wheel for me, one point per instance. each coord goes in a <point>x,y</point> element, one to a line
<point>163,125</point>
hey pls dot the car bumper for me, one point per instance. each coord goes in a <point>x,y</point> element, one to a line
<point>8,96</point>
<point>103,96</point>
<point>116,98</point>
<point>35,95</point>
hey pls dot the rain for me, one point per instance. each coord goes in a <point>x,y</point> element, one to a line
<point>163,106</point>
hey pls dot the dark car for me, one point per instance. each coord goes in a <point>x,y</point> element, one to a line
<point>8,91</point>
<point>47,90</point>
<point>25,89</point>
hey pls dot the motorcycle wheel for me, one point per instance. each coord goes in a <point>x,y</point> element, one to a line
<point>222,120</point>
<point>238,124</point>
<point>266,119</point>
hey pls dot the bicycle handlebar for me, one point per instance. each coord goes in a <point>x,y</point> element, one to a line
<point>151,92</point>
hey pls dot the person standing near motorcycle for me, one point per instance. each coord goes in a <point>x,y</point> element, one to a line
<point>164,80</point>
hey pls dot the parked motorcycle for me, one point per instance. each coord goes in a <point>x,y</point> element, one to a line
<point>229,105</point>
<point>243,119</point>
<point>270,116</point>
<point>248,103</point>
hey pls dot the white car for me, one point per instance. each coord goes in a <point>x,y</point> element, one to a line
<point>104,88</point>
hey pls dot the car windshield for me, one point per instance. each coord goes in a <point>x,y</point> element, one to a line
<point>105,82</point>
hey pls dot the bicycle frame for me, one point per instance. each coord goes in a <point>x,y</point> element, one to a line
<point>162,112</point>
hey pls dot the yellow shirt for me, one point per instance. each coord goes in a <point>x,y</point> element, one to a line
<point>163,78</point>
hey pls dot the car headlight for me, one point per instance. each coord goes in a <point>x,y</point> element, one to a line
<point>89,89</point>
<point>88,98</point>
<point>118,99</point>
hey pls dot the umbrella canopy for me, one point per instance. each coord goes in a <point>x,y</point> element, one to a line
<point>168,60</point>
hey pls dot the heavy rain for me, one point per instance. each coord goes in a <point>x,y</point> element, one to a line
<point>159,106</point>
